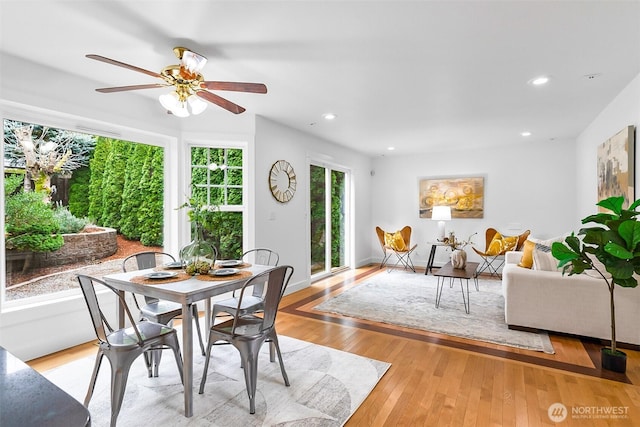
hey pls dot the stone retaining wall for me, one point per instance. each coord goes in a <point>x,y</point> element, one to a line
<point>79,247</point>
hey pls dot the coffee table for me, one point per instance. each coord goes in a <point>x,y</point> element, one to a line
<point>447,271</point>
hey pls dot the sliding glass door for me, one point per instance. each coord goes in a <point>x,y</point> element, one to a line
<point>328,207</point>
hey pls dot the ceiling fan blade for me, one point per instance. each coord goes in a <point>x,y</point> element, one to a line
<point>134,87</point>
<point>236,86</point>
<point>123,65</point>
<point>226,104</point>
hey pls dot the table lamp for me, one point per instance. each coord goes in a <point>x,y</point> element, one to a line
<point>441,214</point>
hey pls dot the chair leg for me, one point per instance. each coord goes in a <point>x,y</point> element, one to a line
<point>119,375</point>
<point>249,353</point>
<point>206,365</point>
<point>175,346</point>
<point>94,377</point>
<point>196,319</point>
<point>274,343</point>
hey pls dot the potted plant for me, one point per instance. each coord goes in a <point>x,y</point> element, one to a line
<point>611,248</point>
<point>458,254</point>
<point>199,256</point>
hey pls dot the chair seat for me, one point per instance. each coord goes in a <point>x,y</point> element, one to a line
<point>248,301</point>
<point>248,326</point>
<point>161,309</point>
<point>125,338</point>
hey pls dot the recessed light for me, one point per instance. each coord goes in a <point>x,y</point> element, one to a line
<point>539,81</point>
<point>391,148</point>
<point>525,133</point>
<point>329,116</point>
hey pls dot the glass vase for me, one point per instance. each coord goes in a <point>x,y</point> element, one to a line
<point>199,256</point>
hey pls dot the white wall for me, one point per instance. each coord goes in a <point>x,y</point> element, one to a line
<point>623,111</point>
<point>283,227</point>
<point>528,186</point>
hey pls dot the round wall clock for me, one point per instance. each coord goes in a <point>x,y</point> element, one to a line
<point>282,181</point>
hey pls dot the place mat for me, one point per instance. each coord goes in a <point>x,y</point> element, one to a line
<point>243,265</point>
<point>141,280</point>
<point>238,275</point>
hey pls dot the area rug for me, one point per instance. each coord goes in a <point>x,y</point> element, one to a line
<point>408,299</point>
<point>327,386</point>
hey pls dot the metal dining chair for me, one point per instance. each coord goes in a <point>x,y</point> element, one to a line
<point>156,310</point>
<point>123,346</point>
<point>248,332</point>
<point>255,301</point>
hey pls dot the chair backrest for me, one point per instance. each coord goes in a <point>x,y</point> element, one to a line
<point>490,233</point>
<point>405,232</point>
<point>380,233</point>
<point>406,235</point>
<point>275,285</point>
<point>100,324</point>
<point>521,239</point>
<point>147,259</point>
<point>262,256</point>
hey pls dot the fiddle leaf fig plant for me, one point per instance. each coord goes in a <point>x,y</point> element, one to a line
<point>611,248</point>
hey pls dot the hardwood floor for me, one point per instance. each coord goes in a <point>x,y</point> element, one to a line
<point>437,380</point>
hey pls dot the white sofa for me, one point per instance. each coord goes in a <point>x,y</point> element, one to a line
<point>577,304</point>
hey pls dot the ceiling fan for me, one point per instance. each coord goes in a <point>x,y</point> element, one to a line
<point>189,85</point>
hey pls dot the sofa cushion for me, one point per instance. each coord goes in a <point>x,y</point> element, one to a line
<point>529,246</point>
<point>543,259</point>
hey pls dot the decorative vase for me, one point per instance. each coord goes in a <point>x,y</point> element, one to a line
<point>458,258</point>
<point>616,362</point>
<point>198,256</point>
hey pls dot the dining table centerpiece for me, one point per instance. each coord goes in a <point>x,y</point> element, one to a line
<point>198,256</point>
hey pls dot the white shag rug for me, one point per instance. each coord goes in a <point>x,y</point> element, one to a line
<point>327,386</point>
<point>408,299</point>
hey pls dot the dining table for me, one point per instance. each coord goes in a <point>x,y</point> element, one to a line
<point>186,290</point>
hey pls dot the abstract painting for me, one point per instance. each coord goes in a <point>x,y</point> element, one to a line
<point>616,167</point>
<point>465,196</point>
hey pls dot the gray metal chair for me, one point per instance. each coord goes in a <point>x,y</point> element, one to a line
<point>248,332</point>
<point>156,310</point>
<point>255,301</point>
<point>123,346</point>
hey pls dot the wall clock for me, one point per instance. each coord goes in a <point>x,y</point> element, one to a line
<point>282,181</point>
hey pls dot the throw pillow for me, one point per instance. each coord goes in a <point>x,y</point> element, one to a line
<point>527,254</point>
<point>543,259</point>
<point>500,244</point>
<point>395,241</point>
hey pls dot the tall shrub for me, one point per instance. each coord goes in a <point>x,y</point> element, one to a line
<point>113,183</point>
<point>132,196</point>
<point>97,166</point>
<point>79,199</point>
<point>150,213</point>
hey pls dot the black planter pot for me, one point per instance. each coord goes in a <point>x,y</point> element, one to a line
<point>616,362</point>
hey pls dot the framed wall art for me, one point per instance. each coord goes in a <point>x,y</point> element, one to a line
<point>465,196</point>
<point>616,175</point>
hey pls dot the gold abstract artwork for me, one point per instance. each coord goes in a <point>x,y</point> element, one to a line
<point>616,167</point>
<point>465,196</point>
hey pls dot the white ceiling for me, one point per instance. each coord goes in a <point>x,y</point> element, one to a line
<point>417,75</point>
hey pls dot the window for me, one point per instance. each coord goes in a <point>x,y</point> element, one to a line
<point>217,180</point>
<point>63,190</point>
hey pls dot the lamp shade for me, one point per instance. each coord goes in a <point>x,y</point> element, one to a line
<point>441,213</point>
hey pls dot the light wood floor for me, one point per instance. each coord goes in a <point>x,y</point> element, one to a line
<point>437,380</point>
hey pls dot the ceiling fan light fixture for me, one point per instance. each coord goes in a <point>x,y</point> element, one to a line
<point>196,105</point>
<point>193,62</point>
<point>169,100</point>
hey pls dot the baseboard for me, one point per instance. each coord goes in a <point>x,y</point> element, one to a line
<point>603,342</point>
